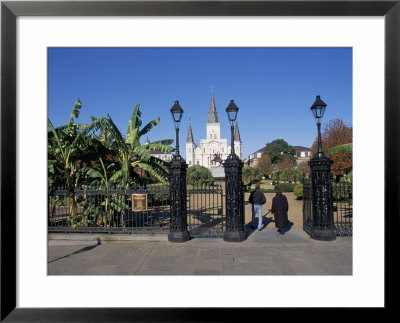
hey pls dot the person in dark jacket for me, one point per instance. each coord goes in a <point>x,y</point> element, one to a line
<point>280,207</point>
<point>257,199</point>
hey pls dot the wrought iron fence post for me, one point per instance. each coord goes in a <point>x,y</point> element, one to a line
<point>234,200</point>
<point>322,200</point>
<point>178,221</point>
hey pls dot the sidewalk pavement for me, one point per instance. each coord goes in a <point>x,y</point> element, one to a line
<point>264,252</point>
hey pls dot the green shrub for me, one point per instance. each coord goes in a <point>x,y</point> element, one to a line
<point>286,174</point>
<point>298,191</point>
<point>251,175</point>
<point>286,187</point>
<point>199,175</point>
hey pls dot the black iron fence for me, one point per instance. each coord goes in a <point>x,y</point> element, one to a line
<point>135,209</point>
<point>109,209</point>
<point>342,194</point>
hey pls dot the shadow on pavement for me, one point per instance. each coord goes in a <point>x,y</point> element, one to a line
<point>78,251</point>
<point>250,228</point>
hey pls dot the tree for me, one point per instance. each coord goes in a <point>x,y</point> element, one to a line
<point>132,157</point>
<point>337,134</point>
<point>279,149</point>
<point>265,165</point>
<point>285,163</point>
<point>304,168</point>
<point>340,149</point>
<point>250,175</point>
<point>199,175</point>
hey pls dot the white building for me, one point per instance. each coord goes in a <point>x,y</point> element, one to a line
<point>167,157</point>
<point>213,144</point>
<point>302,153</point>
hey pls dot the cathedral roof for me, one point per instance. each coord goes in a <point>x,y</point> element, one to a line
<point>190,134</point>
<point>237,134</point>
<point>212,113</point>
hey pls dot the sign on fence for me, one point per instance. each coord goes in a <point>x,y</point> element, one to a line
<point>139,202</point>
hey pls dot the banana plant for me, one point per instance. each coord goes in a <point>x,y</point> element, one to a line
<point>67,147</point>
<point>105,212</point>
<point>131,155</point>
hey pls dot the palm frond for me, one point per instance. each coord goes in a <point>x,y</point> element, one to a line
<point>117,176</point>
<point>75,112</point>
<point>142,153</point>
<point>110,129</point>
<point>134,122</point>
<point>50,125</point>
<point>163,141</point>
<point>132,137</point>
<point>160,147</point>
<point>154,172</point>
<point>149,126</point>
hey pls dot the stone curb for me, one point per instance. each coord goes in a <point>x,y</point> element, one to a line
<point>57,239</point>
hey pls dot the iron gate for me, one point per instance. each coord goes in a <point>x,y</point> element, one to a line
<point>205,216</point>
<point>342,207</point>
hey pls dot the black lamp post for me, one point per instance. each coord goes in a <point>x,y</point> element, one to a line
<point>177,177</point>
<point>177,112</point>
<point>232,111</point>
<point>234,187</point>
<point>320,165</point>
<point>318,110</point>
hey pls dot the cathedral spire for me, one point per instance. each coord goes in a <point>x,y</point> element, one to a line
<point>190,134</point>
<point>237,134</point>
<point>212,113</point>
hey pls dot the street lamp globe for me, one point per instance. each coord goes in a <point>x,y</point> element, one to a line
<point>176,112</point>
<point>318,108</point>
<point>232,111</point>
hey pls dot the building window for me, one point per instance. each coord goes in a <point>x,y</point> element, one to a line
<point>192,150</point>
<point>215,136</point>
<point>190,162</point>
<point>197,162</point>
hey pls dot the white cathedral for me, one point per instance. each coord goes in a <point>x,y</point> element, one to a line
<point>213,144</point>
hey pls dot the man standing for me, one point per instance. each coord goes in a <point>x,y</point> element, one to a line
<point>257,199</point>
<point>280,207</point>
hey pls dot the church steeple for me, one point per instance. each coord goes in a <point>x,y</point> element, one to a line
<point>212,113</point>
<point>237,134</point>
<point>190,134</point>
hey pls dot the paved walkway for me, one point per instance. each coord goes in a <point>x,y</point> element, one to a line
<point>263,253</point>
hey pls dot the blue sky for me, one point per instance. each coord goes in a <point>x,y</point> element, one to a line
<point>273,88</point>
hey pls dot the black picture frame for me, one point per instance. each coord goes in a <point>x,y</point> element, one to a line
<point>10,10</point>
